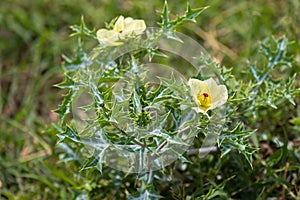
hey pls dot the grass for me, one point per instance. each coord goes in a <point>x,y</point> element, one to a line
<point>34,35</point>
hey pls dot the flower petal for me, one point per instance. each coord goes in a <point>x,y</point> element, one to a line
<point>108,37</point>
<point>197,87</point>
<point>127,20</point>
<point>135,26</point>
<point>119,25</point>
<point>219,93</point>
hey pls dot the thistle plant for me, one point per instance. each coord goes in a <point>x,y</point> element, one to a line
<point>133,105</point>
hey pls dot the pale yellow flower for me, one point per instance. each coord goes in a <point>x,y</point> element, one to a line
<point>207,94</point>
<point>122,28</point>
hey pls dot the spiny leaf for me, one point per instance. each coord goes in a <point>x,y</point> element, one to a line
<point>287,93</point>
<point>67,84</point>
<point>90,163</point>
<point>136,102</point>
<point>155,52</point>
<point>68,133</point>
<point>276,55</point>
<point>254,72</point>
<point>96,160</point>
<point>98,98</point>
<point>189,16</point>
<point>65,107</point>
<point>165,24</point>
<point>237,138</point>
<point>83,30</point>
<point>81,59</point>
<point>269,94</point>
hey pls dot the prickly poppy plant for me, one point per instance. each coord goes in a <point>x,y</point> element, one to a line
<point>134,108</point>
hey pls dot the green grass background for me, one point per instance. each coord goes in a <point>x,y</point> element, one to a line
<point>34,35</point>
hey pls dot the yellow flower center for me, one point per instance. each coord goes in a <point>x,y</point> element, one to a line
<point>204,101</point>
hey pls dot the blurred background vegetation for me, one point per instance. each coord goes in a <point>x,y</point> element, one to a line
<point>34,35</point>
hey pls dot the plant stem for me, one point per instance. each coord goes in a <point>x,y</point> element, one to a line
<point>204,150</point>
<point>161,146</point>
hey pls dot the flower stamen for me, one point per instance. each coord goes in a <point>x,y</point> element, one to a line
<point>204,101</point>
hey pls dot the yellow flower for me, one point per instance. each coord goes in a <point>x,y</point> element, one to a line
<point>122,28</point>
<point>207,94</point>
